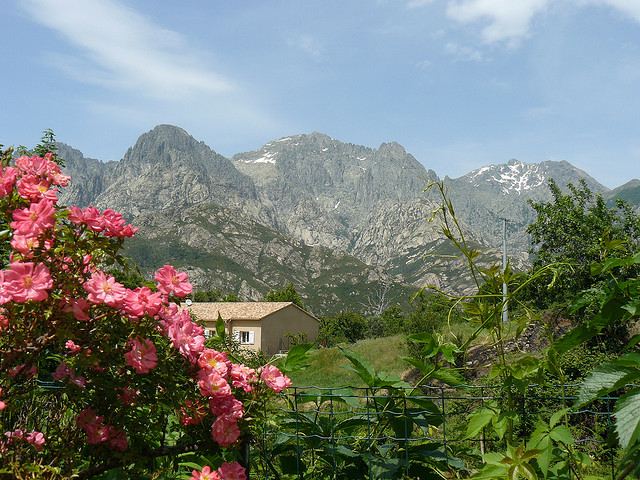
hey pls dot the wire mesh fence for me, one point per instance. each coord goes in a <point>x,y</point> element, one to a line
<point>373,433</point>
<point>400,432</point>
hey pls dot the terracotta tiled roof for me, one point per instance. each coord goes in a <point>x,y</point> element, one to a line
<point>236,310</point>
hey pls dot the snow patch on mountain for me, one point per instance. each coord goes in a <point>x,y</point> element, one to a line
<point>514,178</point>
<point>267,157</point>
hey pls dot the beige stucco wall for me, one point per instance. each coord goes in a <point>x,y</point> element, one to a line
<point>237,326</point>
<point>289,320</point>
<point>270,332</point>
<point>248,326</point>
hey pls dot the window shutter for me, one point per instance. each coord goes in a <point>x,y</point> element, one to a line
<point>236,336</point>
<point>252,338</point>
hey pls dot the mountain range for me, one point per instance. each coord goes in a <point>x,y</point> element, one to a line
<point>346,224</point>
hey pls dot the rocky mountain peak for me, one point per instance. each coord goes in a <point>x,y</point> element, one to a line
<point>167,130</point>
<point>169,167</point>
<point>270,213</point>
<point>635,183</point>
<point>629,192</point>
<point>514,177</point>
<point>393,149</point>
<point>295,147</point>
<point>315,137</point>
<point>89,177</point>
<point>520,178</point>
<point>166,144</point>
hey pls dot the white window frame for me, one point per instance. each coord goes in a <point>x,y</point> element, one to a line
<point>246,337</point>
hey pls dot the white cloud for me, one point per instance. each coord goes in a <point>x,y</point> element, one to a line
<point>509,20</point>
<point>628,7</point>
<point>464,53</point>
<point>148,74</point>
<point>307,44</point>
<point>124,49</point>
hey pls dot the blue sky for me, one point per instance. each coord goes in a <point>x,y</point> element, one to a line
<point>459,83</point>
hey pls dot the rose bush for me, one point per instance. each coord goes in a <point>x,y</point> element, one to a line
<point>95,376</point>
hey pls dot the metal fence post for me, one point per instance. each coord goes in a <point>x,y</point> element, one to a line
<point>406,433</point>
<point>444,424</point>
<point>295,412</point>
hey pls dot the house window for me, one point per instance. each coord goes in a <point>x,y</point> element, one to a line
<point>246,337</point>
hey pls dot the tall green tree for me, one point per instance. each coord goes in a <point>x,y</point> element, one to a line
<point>344,327</point>
<point>430,311</point>
<point>577,228</point>
<point>286,294</point>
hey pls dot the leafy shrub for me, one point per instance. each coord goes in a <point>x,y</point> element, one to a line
<point>344,327</point>
<point>286,294</point>
<point>97,376</point>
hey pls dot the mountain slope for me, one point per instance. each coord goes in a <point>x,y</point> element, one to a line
<point>323,191</point>
<point>339,220</point>
<point>90,177</point>
<point>485,196</point>
<point>223,248</point>
<point>195,209</point>
<point>629,192</point>
<point>168,168</point>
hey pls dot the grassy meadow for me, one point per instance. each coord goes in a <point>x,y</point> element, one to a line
<point>329,368</point>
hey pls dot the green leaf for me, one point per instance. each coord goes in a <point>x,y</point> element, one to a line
<point>424,367</point>
<point>346,452</point>
<point>562,434</point>
<point>478,420</point>
<point>612,263</point>
<point>631,360</point>
<point>544,457</point>
<point>572,339</point>
<point>297,358</point>
<point>557,416</point>
<point>632,307</point>
<point>529,454</point>
<point>524,367</point>
<point>491,472</point>
<point>449,376</point>
<point>346,395</point>
<point>627,412</point>
<point>448,351</point>
<point>500,424</point>
<point>423,337</point>
<point>430,346</point>
<point>493,458</point>
<point>633,342</point>
<point>361,367</point>
<point>604,379</point>
<point>527,471</point>
<point>540,436</point>
<point>220,330</point>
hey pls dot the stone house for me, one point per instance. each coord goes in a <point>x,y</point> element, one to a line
<point>265,326</point>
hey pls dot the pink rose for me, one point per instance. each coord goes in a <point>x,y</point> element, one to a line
<point>142,356</point>
<point>274,379</point>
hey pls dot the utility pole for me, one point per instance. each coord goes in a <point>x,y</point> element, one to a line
<point>505,309</point>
